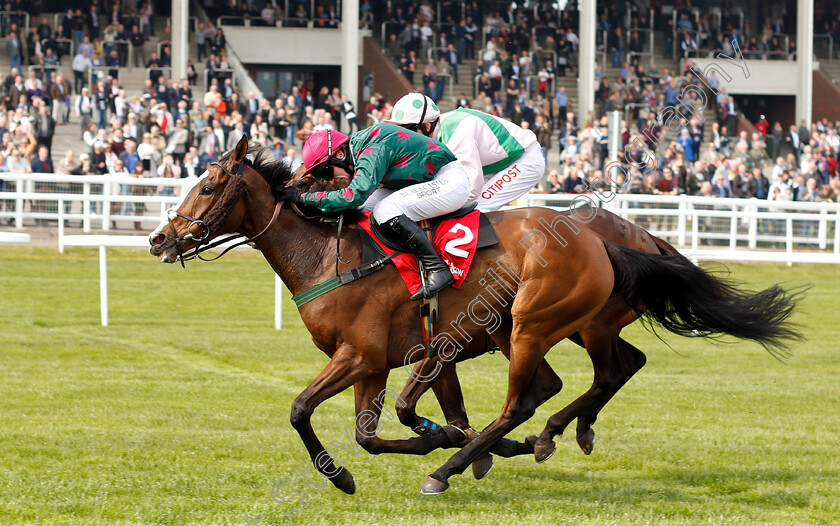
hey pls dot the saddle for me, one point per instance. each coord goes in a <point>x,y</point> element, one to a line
<point>372,250</point>
<point>378,250</point>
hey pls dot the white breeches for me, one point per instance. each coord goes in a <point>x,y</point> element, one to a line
<point>511,182</point>
<point>447,192</point>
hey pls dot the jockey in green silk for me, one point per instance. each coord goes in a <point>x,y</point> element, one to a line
<point>417,177</point>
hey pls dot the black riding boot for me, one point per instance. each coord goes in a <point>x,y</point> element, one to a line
<point>411,236</point>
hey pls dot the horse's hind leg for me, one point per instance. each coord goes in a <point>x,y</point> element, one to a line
<point>443,378</point>
<point>444,381</point>
<point>371,394</point>
<point>535,331</point>
<point>629,360</point>
<point>614,361</point>
<point>431,372</point>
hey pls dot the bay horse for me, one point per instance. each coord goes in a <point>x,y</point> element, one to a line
<point>547,285</point>
<point>614,360</point>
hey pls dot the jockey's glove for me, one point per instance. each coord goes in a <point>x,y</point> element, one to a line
<point>289,193</point>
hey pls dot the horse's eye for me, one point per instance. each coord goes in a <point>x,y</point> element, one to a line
<point>206,190</point>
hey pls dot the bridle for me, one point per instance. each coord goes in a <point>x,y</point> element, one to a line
<point>203,240</point>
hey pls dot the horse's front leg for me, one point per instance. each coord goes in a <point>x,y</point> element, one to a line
<point>345,368</point>
<point>371,394</point>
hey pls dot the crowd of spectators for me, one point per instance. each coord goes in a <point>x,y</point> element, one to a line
<point>163,131</point>
<point>300,13</point>
<point>166,131</point>
<point>740,160</point>
<point>526,50</point>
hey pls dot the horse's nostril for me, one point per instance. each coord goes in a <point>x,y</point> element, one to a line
<point>159,238</point>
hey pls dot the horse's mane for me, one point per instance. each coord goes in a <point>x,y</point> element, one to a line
<point>261,158</point>
<point>279,174</point>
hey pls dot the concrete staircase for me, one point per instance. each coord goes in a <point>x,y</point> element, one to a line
<point>832,69</point>
<point>463,87</point>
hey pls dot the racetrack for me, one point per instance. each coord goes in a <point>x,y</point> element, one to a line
<point>178,413</point>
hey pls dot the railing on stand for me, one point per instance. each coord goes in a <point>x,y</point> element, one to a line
<point>649,53</point>
<point>550,82</point>
<point>9,17</point>
<point>431,50</point>
<point>162,71</point>
<point>94,76</point>
<point>44,71</point>
<point>219,74</point>
<point>384,32</point>
<point>830,42</point>
<point>500,79</point>
<point>443,28</point>
<point>229,20</point>
<point>192,23</point>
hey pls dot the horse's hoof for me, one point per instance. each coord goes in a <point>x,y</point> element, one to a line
<point>344,481</point>
<point>482,467</point>
<point>457,436</point>
<point>543,451</point>
<point>586,441</point>
<point>529,442</point>
<point>433,486</point>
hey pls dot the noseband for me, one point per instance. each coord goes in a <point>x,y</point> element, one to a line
<point>203,240</point>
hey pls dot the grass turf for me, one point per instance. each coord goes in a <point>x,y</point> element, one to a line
<point>178,413</point>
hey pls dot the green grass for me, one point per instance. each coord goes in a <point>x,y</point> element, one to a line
<point>178,413</point>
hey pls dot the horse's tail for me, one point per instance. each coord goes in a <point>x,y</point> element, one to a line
<point>683,298</point>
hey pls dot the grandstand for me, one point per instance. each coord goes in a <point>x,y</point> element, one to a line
<point>510,59</point>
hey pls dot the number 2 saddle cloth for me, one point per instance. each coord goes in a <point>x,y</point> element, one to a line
<point>456,238</point>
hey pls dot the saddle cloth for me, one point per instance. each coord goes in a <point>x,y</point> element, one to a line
<point>455,238</point>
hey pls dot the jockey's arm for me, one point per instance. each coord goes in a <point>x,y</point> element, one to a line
<point>368,173</point>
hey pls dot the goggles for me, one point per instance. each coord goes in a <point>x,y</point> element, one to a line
<point>324,171</point>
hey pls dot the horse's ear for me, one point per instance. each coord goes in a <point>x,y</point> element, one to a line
<point>239,153</point>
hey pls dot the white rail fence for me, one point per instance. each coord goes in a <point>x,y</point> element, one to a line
<point>750,228</point>
<point>105,241</point>
<point>91,199</point>
<point>747,229</point>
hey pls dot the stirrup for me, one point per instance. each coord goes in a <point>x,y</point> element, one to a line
<point>423,291</point>
<point>419,295</point>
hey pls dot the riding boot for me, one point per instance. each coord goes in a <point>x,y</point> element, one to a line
<point>411,236</point>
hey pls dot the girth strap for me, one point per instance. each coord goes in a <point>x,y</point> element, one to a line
<point>344,278</point>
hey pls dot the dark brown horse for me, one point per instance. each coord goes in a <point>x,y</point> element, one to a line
<point>614,360</point>
<point>545,281</point>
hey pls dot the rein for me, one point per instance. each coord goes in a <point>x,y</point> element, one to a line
<point>326,221</point>
<point>203,240</point>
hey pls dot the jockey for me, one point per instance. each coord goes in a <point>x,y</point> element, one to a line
<point>417,177</point>
<point>503,160</point>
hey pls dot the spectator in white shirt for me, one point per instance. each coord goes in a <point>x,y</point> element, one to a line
<point>292,159</point>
